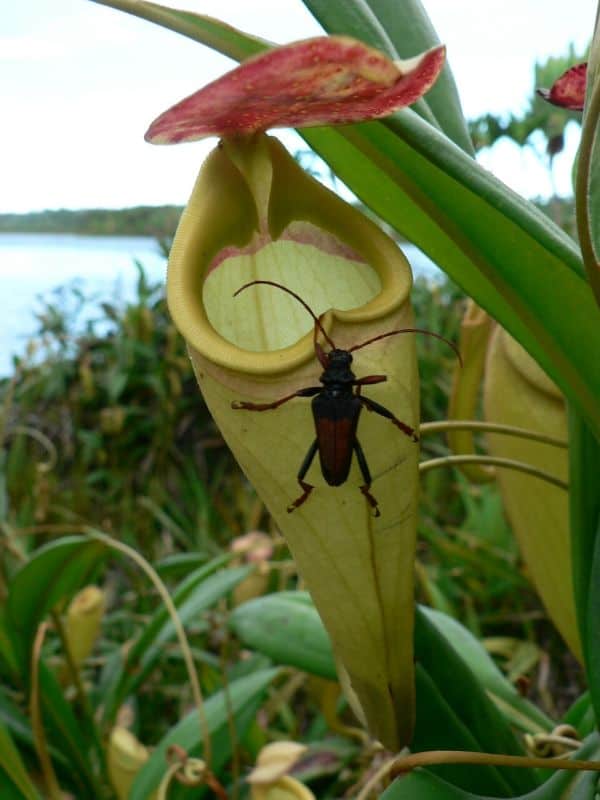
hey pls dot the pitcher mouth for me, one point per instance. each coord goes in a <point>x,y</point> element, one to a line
<point>281,225</point>
<point>306,260</point>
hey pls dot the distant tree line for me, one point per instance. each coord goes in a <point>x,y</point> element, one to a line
<point>157,221</point>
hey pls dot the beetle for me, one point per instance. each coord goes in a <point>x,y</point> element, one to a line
<point>336,407</point>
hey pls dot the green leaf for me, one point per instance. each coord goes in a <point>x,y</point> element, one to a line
<point>18,726</point>
<point>587,190</point>
<point>505,253</point>
<point>517,709</point>
<point>592,649</point>
<point>8,790</point>
<point>410,30</point>
<point>211,32</point>
<point>400,33</point>
<point>454,713</point>
<point>13,770</point>
<point>439,727</point>
<point>242,700</point>
<point>53,574</point>
<point>584,499</point>
<point>15,721</point>
<point>581,716</point>
<point>355,18</point>
<point>9,654</point>
<point>352,18</point>
<point>194,595</point>
<point>288,630</point>
<point>65,734</point>
<point>511,259</point>
<point>421,784</point>
<point>178,563</point>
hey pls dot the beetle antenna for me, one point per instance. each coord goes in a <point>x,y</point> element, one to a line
<point>298,298</point>
<point>409,330</point>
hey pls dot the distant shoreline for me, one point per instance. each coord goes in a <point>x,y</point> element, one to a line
<point>159,222</point>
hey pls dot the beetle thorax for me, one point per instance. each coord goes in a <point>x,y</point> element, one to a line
<point>338,368</point>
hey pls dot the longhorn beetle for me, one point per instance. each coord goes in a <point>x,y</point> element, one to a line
<point>336,408</point>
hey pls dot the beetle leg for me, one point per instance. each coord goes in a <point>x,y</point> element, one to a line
<point>307,488</point>
<point>366,473</point>
<point>310,391</point>
<point>371,405</point>
<point>370,379</point>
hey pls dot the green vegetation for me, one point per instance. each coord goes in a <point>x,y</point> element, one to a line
<point>107,432</point>
<point>148,599</point>
<point>541,127</point>
<point>540,118</point>
<point>157,221</point>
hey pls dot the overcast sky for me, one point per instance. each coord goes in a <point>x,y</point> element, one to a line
<point>79,84</point>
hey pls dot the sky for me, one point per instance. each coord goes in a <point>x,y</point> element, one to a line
<point>80,83</point>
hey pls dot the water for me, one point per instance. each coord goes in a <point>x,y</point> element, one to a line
<point>33,266</point>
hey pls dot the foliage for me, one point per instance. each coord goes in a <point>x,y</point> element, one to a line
<point>135,471</point>
<point>158,221</point>
<point>105,434</point>
<point>119,403</point>
<point>541,118</point>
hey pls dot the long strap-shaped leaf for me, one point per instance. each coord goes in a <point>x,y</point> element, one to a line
<point>356,19</point>
<point>587,195</point>
<point>14,779</point>
<point>584,469</point>
<point>509,258</point>
<point>383,25</point>
<point>514,262</point>
<point>206,30</point>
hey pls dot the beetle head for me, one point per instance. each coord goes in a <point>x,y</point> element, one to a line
<point>337,367</point>
<point>339,358</point>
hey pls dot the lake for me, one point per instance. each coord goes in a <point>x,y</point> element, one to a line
<point>34,265</point>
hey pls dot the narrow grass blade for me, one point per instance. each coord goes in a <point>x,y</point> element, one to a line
<point>196,593</point>
<point>13,770</point>
<point>242,700</point>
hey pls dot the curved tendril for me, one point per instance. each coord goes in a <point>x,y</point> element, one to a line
<point>496,461</point>
<point>443,426</point>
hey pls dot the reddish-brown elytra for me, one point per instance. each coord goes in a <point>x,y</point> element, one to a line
<point>336,408</point>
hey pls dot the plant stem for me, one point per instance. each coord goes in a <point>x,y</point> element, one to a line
<point>181,635</point>
<point>496,461</point>
<point>489,427</point>
<point>82,696</point>
<point>41,439</point>
<point>429,758</point>
<point>407,763</point>
<point>37,726</point>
